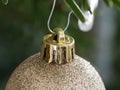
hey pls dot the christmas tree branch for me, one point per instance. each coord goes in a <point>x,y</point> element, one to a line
<point>85,5</point>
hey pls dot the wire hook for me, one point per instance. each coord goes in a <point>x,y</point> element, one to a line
<point>51,13</point>
<point>48,23</point>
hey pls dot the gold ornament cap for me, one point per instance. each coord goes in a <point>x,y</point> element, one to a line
<point>58,47</point>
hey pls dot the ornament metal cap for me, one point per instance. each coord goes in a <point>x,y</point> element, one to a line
<point>58,47</point>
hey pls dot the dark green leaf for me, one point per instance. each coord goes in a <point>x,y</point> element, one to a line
<point>115,3</point>
<point>108,2</point>
<point>86,5</point>
<point>77,11</point>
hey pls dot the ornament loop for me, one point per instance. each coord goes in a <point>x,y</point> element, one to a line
<point>51,13</point>
<point>60,36</point>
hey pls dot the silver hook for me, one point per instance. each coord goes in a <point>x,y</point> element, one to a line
<point>68,21</point>
<point>51,13</point>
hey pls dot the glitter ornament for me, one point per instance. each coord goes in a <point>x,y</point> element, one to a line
<point>56,68</point>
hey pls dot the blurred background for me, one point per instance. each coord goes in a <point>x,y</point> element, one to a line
<point>23,24</point>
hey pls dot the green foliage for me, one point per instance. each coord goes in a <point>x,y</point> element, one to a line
<point>84,3</point>
<point>85,6</point>
<point>78,12</point>
<point>113,3</point>
<point>5,2</point>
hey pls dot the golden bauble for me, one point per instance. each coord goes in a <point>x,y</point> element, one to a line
<point>37,74</point>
